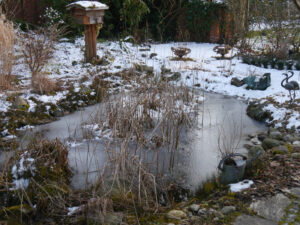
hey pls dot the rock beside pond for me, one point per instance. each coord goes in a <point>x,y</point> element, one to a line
<point>262,136</point>
<point>252,220</point>
<point>228,209</point>
<point>296,143</point>
<point>174,77</point>
<point>272,209</point>
<point>194,208</point>
<point>255,141</point>
<point>276,135</point>
<point>296,155</point>
<point>256,112</point>
<point>152,55</point>
<point>176,214</point>
<point>281,149</point>
<point>289,138</point>
<point>269,143</point>
<point>254,150</point>
<point>20,103</point>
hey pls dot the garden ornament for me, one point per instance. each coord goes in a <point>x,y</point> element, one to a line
<point>222,50</point>
<point>291,86</point>
<point>180,51</point>
<point>262,84</point>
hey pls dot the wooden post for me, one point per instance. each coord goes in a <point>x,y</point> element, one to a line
<point>90,42</point>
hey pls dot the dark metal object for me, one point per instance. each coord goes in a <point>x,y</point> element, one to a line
<point>232,173</point>
<point>262,84</point>
<point>291,86</point>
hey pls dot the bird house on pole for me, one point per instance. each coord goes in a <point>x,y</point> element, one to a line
<point>90,14</point>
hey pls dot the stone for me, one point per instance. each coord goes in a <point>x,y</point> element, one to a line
<point>281,149</point>
<point>276,135</point>
<point>194,208</point>
<point>152,55</point>
<point>176,214</point>
<point>202,212</point>
<point>252,220</point>
<point>262,136</point>
<point>255,141</point>
<point>289,138</point>
<point>237,82</point>
<point>164,70</point>
<point>272,208</point>
<point>296,143</point>
<point>295,192</point>
<point>296,155</point>
<point>228,209</point>
<point>269,143</point>
<point>257,112</point>
<point>144,68</point>
<point>175,77</point>
<point>254,150</point>
<point>20,103</point>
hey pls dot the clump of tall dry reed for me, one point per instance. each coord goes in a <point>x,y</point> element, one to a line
<point>7,40</point>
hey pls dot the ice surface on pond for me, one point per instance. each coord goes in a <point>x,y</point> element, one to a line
<point>198,158</point>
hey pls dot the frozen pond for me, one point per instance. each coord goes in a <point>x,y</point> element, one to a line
<point>198,155</point>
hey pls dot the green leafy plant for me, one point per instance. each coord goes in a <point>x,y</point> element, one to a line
<point>273,63</point>
<point>297,66</point>
<point>200,16</point>
<point>246,59</point>
<point>280,65</point>
<point>265,62</point>
<point>132,13</point>
<point>289,65</point>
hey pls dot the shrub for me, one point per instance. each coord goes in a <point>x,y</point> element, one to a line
<point>280,65</point>
<point>253,60</point>
<point>37,49</point>
<point>273,63</point>
<point>289,65</point>
<point>246,59</point>
<point>44,85</point>
<point>297,66</point>
<point>265,62</point>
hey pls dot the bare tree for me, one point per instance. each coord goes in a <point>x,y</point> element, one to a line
<point>297,3</point>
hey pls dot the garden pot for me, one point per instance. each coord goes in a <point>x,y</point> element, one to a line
<point>232,170</point>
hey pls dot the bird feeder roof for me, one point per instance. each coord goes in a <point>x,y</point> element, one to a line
<point>88,5</point>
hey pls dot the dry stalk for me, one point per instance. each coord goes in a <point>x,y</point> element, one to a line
<point>228,142</point>
<point>7,39</point>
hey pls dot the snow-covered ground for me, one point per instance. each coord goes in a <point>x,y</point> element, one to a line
<point>204,70</point>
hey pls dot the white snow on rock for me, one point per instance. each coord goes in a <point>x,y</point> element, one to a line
<point>88,5</point>
<point>242,185</point>
<point>72,210</point>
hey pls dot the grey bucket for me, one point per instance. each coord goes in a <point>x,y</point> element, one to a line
<point>232,173</point>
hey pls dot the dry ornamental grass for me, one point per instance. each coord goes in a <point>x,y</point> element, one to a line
<point>7,39</point>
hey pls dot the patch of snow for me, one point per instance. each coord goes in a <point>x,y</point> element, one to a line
<point>53,98</point>
<point>4,105</point>
<point>27,127</point>
<point>25,164</point>
<point>72,210</point>
<point>88,5</point>
<point>237,187</point>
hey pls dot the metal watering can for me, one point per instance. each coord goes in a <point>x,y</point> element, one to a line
<point>234,173</point>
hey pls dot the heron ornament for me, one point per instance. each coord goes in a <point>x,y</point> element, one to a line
<point>291,86</point>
